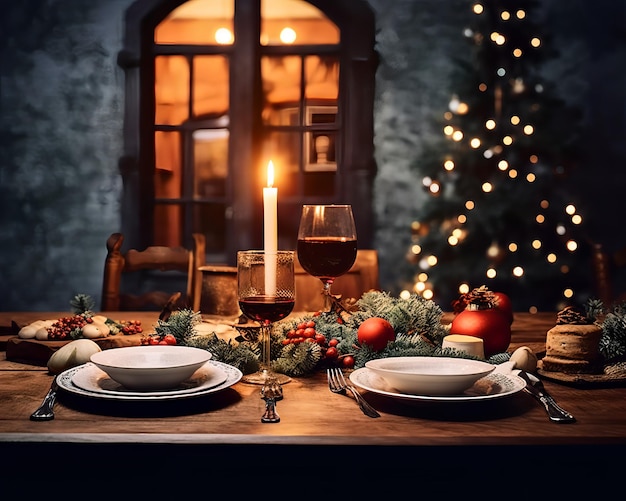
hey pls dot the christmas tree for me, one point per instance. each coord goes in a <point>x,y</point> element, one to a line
<point>500,211</point>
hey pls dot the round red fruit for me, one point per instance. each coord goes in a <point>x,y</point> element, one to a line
<point>376,332</point>
<point>332,352</point>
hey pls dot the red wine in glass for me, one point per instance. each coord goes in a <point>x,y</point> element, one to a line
<point>327,244</point>
<point>326,257</point>
<point>266,309</point>
<point>266,292</point>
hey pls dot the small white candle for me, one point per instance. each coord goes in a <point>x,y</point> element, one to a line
<point>270,231</point>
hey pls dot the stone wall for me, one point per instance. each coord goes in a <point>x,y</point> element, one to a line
<point>61,116</point>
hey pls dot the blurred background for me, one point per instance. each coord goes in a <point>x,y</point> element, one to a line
<point>443,217</point>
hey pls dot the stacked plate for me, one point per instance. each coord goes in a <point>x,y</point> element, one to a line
<point>436,379</point>
<point>90,381</point>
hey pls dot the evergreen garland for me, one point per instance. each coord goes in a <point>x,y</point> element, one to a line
<point>180,324</point>
<point>613,341</point>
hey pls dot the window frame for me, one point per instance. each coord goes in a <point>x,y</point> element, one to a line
<point>356,168</point>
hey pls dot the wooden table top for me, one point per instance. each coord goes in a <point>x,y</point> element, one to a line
<point>311,416</point>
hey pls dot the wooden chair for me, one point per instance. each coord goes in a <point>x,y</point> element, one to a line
<point>147,279</point>
<point>606,266</point>
<point>362,277</point>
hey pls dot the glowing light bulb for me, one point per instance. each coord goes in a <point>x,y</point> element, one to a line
<point>287,36</point>
<point>223,36</point>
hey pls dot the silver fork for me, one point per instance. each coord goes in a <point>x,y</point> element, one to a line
<point>337,384</point>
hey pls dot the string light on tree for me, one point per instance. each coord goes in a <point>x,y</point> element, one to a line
<point>498,163</point>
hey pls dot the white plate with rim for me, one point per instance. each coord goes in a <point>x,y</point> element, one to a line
<point>233,375</point>
<point>94,379</point>
<point>492,386</point>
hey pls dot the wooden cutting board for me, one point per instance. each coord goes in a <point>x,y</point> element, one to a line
<point>33,351</point>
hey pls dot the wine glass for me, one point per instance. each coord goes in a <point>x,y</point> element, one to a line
<point>266,292</point>
<point>327,243</point>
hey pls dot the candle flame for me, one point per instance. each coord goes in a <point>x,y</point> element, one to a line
<point>270,174</point>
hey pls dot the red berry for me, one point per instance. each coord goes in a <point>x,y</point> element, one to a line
<point>169,339</point>
<point>332,352</point>
<point>348,361</point>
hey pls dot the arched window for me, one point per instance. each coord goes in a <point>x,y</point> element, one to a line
<point>215,89</point>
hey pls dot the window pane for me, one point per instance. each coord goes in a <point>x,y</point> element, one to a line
<point>168,225</point>
<point>211,219</point>
<point>171,90</point>
<point>281,88</point>
<point>210,151</point>
<point>295,22</point>
<point>168,172</point>
<point>210,85</point>
<point>206,22</point>
<point>322,78</point>
<point>319,184</point>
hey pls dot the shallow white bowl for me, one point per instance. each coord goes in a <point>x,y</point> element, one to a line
<point>430,375</point>
<point>153,367</point>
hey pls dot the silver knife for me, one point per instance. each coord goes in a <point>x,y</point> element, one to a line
<point>535,387</point>
<point>45,412</point>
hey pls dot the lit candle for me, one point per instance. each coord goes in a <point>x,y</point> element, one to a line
<point>270,231</point>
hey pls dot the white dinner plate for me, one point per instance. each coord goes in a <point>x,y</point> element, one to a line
<point>93,379</point>
<point>233,375</point>
<point>494,385</point>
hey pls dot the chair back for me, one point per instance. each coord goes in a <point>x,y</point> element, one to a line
<point>147,279</point>
<point>361,278</point>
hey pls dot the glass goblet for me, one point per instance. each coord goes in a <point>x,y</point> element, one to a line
<point>327,243</point>
<point>266,293</point>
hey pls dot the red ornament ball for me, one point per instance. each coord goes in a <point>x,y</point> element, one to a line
<point>491,325</point>
<point>503,303</point>
<point>376,332</point>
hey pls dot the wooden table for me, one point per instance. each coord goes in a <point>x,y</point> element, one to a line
<point>224,429</point>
